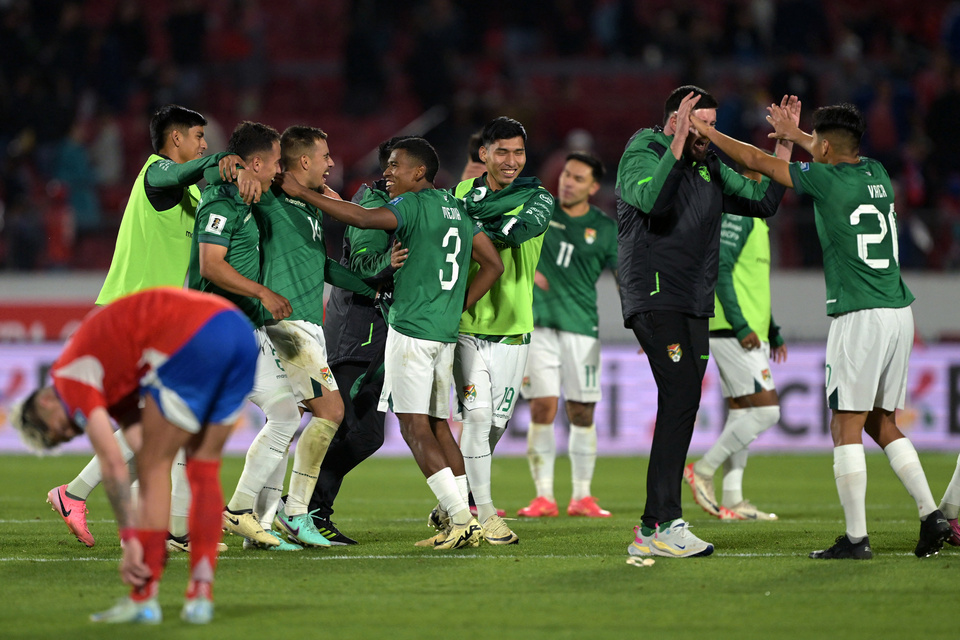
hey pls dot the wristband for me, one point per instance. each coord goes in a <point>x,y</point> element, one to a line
<point>127,533</point>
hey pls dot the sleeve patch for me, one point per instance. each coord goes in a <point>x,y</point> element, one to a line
<point>804,166</point>
<point>396,200</point>
<point>216,224</point>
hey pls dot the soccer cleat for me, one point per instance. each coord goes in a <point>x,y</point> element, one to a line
<point>460,536</point>
<point>954,538</point>
<point>199,608</point>
<point>676,541</point>
<point>934,531</point>
<point>432,540</point>
<point>247,525</point>
<point>702,487</point>
<point>843,549</point>
<point>127,610</point>
<point>641,543</point>
<point>587,507</point>
<point>329,531</point>
<point>182,543</point>
<point>73,512</point>
<point>283,546</point>
<point>439,519</point>
<point>300,529</point>
<point>744,510</point>
<point>496,531</point>
<point>540,508</point>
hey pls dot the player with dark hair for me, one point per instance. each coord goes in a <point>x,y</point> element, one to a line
<point>871,335</point>
<point>430,293</point>
<point>564,347</point>
<point>474,167</point>
<point>152,249</point>
<point>671,192</point>
<point>173,368</point>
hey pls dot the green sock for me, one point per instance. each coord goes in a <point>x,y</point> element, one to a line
<point>645,530</point>
<point>666,525</point>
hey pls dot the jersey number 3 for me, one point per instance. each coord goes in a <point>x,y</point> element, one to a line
<point>864,240</point>
<point>452,234</point>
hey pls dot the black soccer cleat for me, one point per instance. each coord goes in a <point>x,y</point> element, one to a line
<point>934,531</point>
<point>843,549</point>
<point>329,531</point>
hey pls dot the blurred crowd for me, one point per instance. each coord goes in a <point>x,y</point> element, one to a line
<point>79,80</point>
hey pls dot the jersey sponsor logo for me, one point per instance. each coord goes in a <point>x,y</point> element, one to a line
<point>705,172</point>
<point>216,224</point>
<point>590,235</point>
<point>804,166</point>
<point>558,225</point>
<point>295,203</point>
<point>674,352</point>
<point>326,375</point>
<point>470,393</point>
<point>546,197</point>
<point>396,200</point>
<point>248,216</point>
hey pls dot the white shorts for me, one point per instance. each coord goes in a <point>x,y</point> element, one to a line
<point>743,372</point>
<point>271,379</point>
<point>561,359</point>
<point>868,352</point>
<point>301,347</point>
<point>488,374</point>
<point>417,375</point>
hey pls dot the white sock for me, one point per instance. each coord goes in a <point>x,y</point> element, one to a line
<point>741,428</point>
<point>582,448</point>
<point>90,476</point>
<point>268,500</point>
<point>307,458</point>
<point>733,478</point>
<point>179,496</point>
<point>444,486</point>
<point>541,455</point>
<point>906,464</point>
<point>950,505</point>
<point>267,449</point>
<point>464,487</point>
<point>850,472</point>
<point>477,459</point>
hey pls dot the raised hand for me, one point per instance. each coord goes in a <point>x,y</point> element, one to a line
<point>682,129</point>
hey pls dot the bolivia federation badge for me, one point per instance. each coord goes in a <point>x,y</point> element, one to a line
<point>590,235</point>
<point>470,393</point>
<point>327,375</point>
<point>674,351</point>
<point>766,375</point>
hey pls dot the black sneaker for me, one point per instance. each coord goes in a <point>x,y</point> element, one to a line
<point>843,549</point>
<point>329,531</point>
<point>934,531</point>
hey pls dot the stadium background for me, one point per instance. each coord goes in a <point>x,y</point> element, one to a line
<point>79,80</point>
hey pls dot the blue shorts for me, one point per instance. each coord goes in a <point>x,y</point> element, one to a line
<point>209,378</point>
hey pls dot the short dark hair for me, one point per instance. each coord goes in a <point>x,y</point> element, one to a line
<point>591,160</point>
<point>707,101</point>
<point>502,128</point>
<point>298,140</point>
<point>423,152</point>
<point>474,143</point>
<point>169,117</point>
<point>386,147</point>
<point>249,138</point>
<point>33,430</point>
<point>844,119</point>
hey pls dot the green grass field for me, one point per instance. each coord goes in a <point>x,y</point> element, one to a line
<point>566,579</point>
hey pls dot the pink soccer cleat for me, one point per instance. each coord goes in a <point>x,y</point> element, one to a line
<point>954,538</point>
<point>73,512</point>
<point>587,507</point>
<point>540,508</point>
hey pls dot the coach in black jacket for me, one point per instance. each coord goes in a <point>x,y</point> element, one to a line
<point>671,192</point>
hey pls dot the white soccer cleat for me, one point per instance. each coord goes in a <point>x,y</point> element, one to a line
<point>744,510</point>
<point>127,610</point>
<point>702,487</point>
<point>496,531</point>
<point>247,525</point>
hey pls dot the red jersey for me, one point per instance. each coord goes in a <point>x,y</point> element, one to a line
<point>104,361</point>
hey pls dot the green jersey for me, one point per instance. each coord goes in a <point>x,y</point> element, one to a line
<point>507,309</point>
<point>857,226</point>
<point>224,219</point>
<point>575,252</point>
<point>153,244</point>
<point>743,283</point>
<point>430,287</point>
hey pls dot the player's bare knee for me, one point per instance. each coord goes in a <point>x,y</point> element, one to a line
<point>580,413</point>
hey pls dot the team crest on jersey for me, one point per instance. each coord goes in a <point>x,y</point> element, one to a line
<point>590,235</point>
<point>526,382</point>
<point>705,172</point>
<point>326,375</point>
<point>470,393</point>
<point>216,224</point>
<point>675,352</point>
<point>766,375</point>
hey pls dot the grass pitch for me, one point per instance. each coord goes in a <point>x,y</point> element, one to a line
<point>568,577</point>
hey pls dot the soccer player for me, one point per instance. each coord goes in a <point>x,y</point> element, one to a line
<point>295,265</point>
<point>475,166</point>
<point>870,338</point>
<point>153,249</point>
<point>225,259</point>
<point>671,192</point>
<point>173,368</point>
<point>564,350</point>
<point>430,293</point>
<point>495,333</point>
